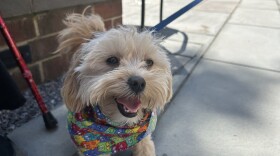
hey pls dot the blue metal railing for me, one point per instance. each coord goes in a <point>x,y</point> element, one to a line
<point>164,23</point>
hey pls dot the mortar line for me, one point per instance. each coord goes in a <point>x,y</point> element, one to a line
<point>27,41</point>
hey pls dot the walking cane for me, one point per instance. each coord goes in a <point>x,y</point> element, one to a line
<point>49,119</point>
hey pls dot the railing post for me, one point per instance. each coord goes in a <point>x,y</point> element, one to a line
<point>161,9</point>
<point>143,14</point>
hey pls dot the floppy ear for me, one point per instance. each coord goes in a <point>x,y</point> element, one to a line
<point>79,29</point>
<point>170,89</point>
<point>69,92</point>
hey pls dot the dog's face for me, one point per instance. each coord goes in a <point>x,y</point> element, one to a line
<point>124,72</point>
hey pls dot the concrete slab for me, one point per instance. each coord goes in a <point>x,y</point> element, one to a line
<point>178,79</point>
<point>177,62</point>
<point>36,140</point>
<point>223,110</point>
<point>200,39</point>
<point>259,4</point>
<point>217,6</point>
<point>180,48</point>
<point>171,6</point>
<point>252,46</point>
<point>197,43</point>
<point>255,17</point>
<point>132,11</point>
<point>200,22</point>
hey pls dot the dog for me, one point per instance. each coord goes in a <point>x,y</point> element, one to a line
<point>117,82</point>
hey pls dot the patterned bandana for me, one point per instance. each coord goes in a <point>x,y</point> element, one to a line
<point>94,133</point>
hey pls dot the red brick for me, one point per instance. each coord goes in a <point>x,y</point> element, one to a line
<point>108,24</point>
<point>109,9</point>
<point>20,80</point>
<point>43,48</point>
<point>21,29</point>
<point>51,21</point>
<point>54,67</point>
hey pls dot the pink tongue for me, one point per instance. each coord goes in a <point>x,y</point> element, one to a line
<point>132,104</point>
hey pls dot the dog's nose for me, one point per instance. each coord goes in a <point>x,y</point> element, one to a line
<point>136,84</point>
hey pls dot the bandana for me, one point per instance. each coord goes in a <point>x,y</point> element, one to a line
<point>94,133</point>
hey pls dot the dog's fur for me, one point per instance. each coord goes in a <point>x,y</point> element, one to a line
<point>90,80</point>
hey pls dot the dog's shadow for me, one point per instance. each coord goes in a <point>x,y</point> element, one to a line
<point>167,32</point>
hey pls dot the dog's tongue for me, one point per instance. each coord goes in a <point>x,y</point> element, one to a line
<point>132,104</point>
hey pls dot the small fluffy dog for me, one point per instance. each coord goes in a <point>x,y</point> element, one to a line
<point>116,82</point>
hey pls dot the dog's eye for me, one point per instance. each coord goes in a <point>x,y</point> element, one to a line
<point>149,62</point>
<point>112,61</point>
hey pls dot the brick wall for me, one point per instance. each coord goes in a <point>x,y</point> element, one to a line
<point>34,25</point>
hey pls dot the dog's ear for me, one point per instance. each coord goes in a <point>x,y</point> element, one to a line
<point>69,92</point>
<point>79,29</point>
<point>170,90</point>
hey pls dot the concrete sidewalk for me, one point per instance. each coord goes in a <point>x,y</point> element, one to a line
<point>229,102</point>
<point>226,82</point>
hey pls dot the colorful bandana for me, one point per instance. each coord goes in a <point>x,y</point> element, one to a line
<point>94,133</point>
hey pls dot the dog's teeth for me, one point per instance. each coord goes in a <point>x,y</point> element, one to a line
<point>126,110</point>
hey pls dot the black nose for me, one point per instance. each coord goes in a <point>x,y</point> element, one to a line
<point>136,83</point>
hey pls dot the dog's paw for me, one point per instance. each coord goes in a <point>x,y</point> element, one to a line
<point>145,148</point>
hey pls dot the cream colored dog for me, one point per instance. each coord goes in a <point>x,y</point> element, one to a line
<point>121,70</point>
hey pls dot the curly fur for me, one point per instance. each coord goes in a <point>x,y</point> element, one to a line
<point>90,81</point>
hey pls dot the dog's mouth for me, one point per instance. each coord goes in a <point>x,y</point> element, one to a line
<point>128,107</point>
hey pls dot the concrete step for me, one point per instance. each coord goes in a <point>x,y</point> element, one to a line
<point>32,139</point>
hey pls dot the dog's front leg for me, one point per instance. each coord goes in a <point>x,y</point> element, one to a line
<point>145,147</point>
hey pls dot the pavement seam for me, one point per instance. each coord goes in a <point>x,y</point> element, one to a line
<point>216,12</point>
<point>278,4</point>
<point>264,9</point>
<point>257,26</point>
<point>242,65</point>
